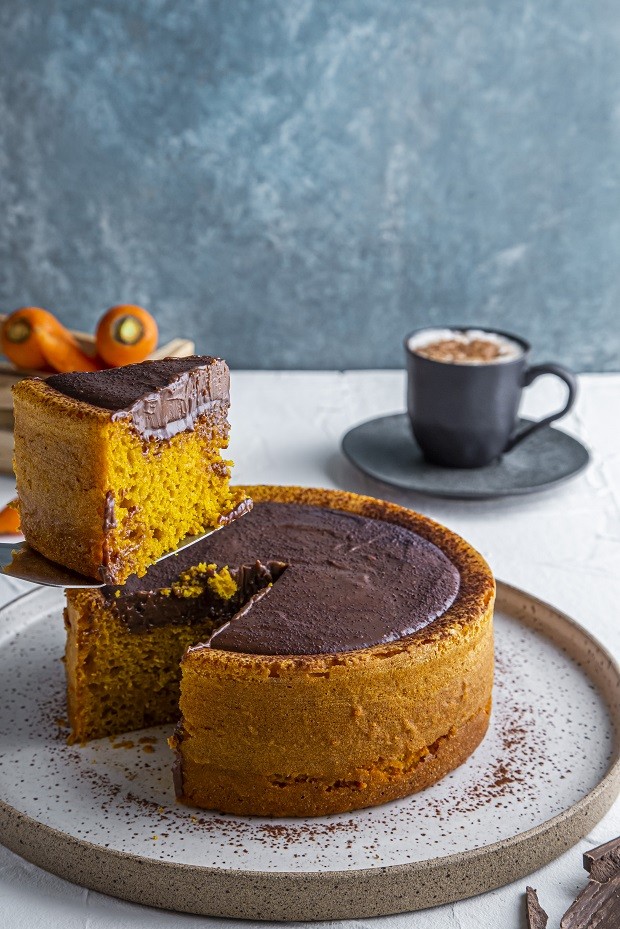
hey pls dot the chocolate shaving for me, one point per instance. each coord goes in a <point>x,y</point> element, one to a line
<point>603,861</point>
<point>536,916</point>
<point>598,904</point>
<point>596,907</point>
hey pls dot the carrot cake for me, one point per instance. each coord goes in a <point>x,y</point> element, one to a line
<point>114,468</point>
<point>333,652</point>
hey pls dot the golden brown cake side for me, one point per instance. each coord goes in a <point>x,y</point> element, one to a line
<point>311,735</point>
<point>97,497</point>
<point>61,468</point>
<point>281,739</point>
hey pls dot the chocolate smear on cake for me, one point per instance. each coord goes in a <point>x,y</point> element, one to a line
<point>109,515</point>
<point>241,509</point>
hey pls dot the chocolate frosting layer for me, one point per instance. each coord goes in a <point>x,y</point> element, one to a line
<point>160,398</point>
<point>350,582</point>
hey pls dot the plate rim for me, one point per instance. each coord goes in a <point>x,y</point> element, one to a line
<point>464,494</point>
<point>336,894</point>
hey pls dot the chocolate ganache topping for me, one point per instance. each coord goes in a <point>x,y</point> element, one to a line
<point>160,398</point>
<point>323,581</point>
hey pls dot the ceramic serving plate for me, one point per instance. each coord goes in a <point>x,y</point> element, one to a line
<point>104,815</point>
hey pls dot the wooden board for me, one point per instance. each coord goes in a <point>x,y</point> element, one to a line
<point>104,815</point>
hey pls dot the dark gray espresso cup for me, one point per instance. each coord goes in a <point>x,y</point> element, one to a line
<point>465,415</point>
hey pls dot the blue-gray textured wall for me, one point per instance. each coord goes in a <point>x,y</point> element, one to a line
<point>297,183</point>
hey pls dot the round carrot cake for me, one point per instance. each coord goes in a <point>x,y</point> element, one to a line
<point>335,652</point>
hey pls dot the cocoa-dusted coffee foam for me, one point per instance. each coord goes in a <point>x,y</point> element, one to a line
<point>467,346</point>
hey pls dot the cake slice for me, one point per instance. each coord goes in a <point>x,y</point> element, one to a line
<point>114,468</point>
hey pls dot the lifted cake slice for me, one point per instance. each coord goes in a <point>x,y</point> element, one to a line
<point>114,468</point>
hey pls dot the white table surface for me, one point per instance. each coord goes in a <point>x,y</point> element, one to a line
<point>562,545</point>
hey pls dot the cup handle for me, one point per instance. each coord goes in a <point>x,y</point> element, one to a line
<point>529,377</point>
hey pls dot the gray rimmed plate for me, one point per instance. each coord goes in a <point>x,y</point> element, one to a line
<point>104,815</point>
<point>384,449</point>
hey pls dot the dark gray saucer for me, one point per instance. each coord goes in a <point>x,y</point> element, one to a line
<point>385,449</point>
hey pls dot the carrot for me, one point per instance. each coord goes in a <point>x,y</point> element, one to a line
<point>62,352</point>
<point>9,519</point>
<point>126,334</point>
<point>18,336</point>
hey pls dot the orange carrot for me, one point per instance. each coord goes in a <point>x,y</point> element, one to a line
<point>18,336</point>
<point>9,519</point>
<point>126,334</point>
<point>62,352</point>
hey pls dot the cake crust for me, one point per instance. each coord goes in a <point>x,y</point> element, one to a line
<point>306,796</point>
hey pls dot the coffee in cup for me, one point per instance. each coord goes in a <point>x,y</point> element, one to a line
<point>464,389</point>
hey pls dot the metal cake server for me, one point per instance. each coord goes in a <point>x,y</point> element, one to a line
<point>18,559</point>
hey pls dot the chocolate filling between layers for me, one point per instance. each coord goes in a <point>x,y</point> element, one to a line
<point>341,582</point>
<point>159,398</point>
